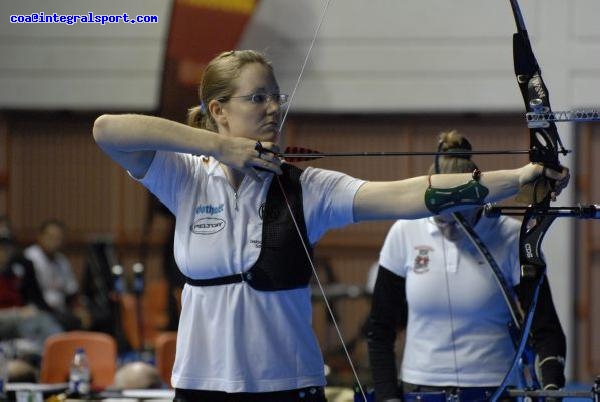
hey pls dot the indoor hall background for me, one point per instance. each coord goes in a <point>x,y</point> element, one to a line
<point>55,169</point>
<point>379,68</point>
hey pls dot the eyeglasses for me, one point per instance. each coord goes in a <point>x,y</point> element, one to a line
<point>260,98</point>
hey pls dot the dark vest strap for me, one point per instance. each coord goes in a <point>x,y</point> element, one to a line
<point>223,280</point>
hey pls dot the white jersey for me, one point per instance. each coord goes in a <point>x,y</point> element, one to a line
<point>457,321</point>
<point>233,338</point>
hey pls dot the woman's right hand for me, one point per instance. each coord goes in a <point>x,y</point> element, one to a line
<point>246,155</point>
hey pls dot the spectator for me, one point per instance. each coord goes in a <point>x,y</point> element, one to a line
<point>25,319</point>
<point>55,276</point>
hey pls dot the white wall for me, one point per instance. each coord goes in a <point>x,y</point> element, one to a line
<point>379,56</point>
<point>415,55</point>
<point>82,66</point>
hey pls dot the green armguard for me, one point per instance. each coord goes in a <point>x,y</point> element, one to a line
<point>438,200</point>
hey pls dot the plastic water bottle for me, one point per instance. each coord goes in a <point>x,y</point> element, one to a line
<point>79,376</point>
<point>3,373</point>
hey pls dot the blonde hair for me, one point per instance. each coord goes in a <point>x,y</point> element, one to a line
<point>218,83</point>
<point>453,141</point>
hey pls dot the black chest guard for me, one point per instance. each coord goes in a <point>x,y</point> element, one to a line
<point>282,263</point>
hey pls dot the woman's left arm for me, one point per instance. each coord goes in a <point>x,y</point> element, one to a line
<point>405,199</point>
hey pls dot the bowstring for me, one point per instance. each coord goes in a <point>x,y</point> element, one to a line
<point>437,170</point>
<point>320,285</point>
<point>310,48</point>
<point>304,245</point>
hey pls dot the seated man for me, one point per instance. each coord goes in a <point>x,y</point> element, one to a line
<point>25,318</point>
<point>55,276</point>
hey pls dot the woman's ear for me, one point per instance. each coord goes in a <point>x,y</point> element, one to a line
<point>216,111</point>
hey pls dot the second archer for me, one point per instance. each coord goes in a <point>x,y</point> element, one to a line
<point>433,284</point>
<point>243,220</point>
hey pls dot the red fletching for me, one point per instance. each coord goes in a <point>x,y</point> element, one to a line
<point>300,154</point>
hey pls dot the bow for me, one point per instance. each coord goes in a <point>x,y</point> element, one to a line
<point>545,145</point>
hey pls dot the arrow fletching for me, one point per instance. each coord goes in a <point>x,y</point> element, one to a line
<point>300,154</point>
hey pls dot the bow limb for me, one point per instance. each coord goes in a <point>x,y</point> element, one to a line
<point>533,270</point>
<point>507,291</point>
<point>545,146</point>
<point>545,143</point>
<point>516,325</point>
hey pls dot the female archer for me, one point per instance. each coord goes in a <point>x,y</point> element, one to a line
<point>434,285</point>
<point>246,223</point>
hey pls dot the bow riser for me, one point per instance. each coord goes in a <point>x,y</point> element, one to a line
<point>532,233</point>
<point>544,140</point>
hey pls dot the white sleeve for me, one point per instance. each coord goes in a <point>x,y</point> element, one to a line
<point>328,200</point>
<point>393,253</point>
<point>167,175</point>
